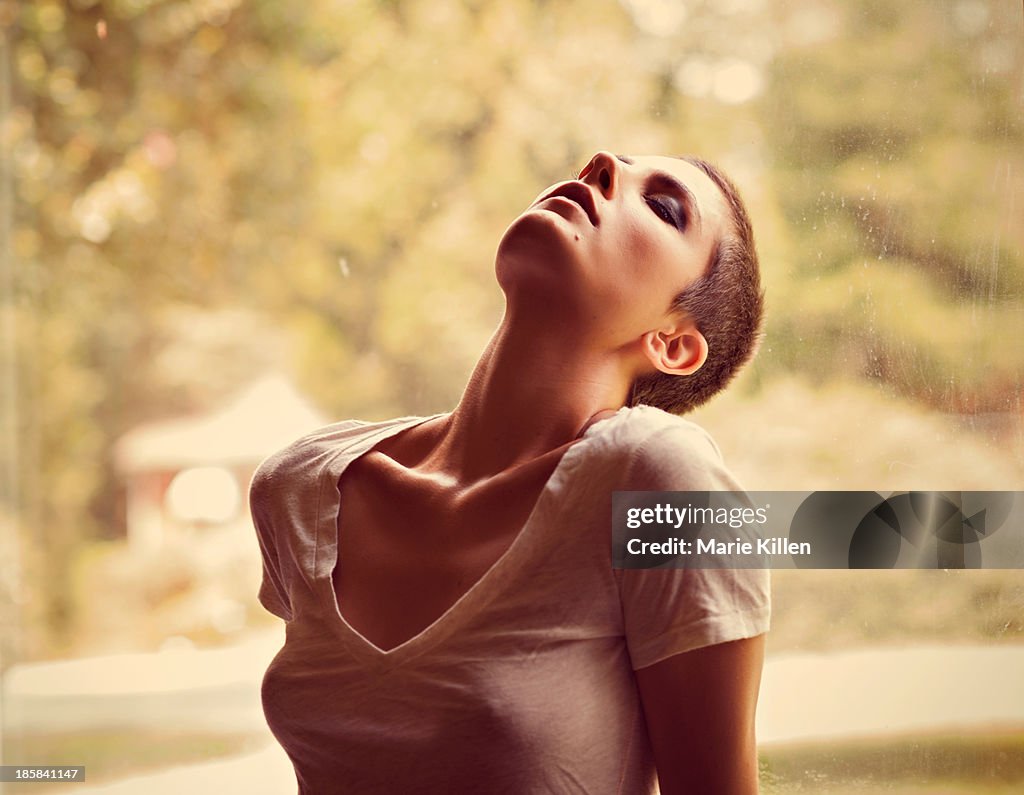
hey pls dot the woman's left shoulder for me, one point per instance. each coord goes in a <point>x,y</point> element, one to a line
<point>666,452</point>
<point>648,430</point>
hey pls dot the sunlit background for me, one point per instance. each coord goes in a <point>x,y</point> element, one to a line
<point>226,222</point>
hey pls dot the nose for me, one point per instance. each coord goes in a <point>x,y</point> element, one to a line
<point>603,173</point>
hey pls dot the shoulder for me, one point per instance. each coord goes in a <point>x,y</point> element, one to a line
<point>298,465</point>
<point>300,456</point>
<point>655,450</point>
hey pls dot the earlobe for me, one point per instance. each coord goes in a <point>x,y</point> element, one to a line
<point>677,351</point>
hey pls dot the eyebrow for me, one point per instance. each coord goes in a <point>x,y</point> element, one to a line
<point>678,187</point>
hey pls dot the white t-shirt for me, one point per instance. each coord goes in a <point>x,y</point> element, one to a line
<point>525,684</point>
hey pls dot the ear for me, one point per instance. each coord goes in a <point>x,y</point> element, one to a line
<point>677,350</point>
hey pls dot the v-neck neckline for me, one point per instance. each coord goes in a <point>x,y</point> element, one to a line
<point>327,543</point>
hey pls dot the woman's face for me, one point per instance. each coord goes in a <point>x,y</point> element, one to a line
<point>612,249</point>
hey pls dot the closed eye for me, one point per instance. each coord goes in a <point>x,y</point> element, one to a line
<point>668,210</point>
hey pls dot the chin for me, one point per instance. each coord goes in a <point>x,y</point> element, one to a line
<point>539,246</point>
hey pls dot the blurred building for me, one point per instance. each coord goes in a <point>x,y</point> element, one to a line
<point>186,473</point>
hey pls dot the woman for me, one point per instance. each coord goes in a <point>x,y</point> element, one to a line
<point>454,624</point>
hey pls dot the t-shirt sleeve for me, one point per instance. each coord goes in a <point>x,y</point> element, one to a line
<point>273,592</point>
<point>669,611</point>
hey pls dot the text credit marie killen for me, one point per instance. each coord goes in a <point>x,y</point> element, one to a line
<point>712,546</point>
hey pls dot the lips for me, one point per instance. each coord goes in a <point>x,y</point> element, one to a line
<point>578,193</point>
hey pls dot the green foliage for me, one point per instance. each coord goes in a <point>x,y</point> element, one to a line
<point>343,171</point>
<point>112,754</point>
<point>978,763</point>
<point>899,135</point>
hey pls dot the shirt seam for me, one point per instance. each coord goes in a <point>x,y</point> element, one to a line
<point>630,466</point>
<point>749,612</point>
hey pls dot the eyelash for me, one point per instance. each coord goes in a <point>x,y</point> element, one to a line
<point>666,214</point>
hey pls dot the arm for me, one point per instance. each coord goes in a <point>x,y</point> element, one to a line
<point>700,707</point>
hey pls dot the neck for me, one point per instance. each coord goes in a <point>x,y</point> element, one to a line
<point>526,399</point>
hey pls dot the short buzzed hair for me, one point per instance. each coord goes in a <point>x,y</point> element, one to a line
<point>727,305</point>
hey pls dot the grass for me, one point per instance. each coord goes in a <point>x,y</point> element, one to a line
<point>950,764</point>
<point>116,753</point>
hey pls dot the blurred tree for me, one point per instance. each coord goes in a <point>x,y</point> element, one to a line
<point>203,188</point>
<point>343,169</point>
<point>897,133</point>
<point>139,142</point>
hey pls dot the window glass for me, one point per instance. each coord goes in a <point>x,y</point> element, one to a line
<point>226,223</point>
